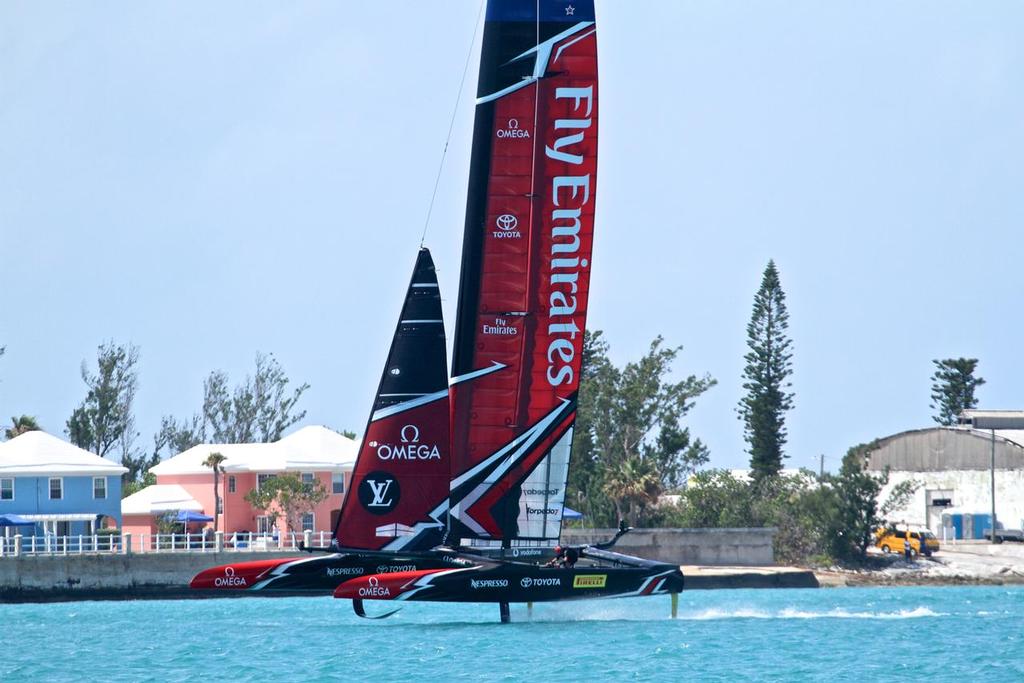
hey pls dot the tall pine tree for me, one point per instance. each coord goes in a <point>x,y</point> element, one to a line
<point>953,386</point>
<point>766,378</point>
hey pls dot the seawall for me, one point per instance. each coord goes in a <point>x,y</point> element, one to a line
<point>722,547</point>
<point>112,576</point>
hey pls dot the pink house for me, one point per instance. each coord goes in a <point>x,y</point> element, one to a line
<point>184,483</point>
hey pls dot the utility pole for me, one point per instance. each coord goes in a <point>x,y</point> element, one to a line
<point>993,477</point>
<point>821,467</point>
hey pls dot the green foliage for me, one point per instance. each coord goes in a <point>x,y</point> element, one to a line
<point>104,419</point>
<point>138,465</point>
<point>766,377</point>
<point>258,411</point>
<point>953,386</point>
<point>629,446</point>
<point>177,437</point>
<point>834,517</point>
<point>287,495</point>
<point>20,425</point>
<point>134,486</point>
<point>715,498</point>
<point>167,523</point>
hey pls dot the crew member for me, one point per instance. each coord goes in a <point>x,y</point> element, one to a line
<point>564,557</point>
<point>559,558</point>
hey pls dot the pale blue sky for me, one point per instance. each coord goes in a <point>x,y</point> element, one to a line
<point>207,180</point>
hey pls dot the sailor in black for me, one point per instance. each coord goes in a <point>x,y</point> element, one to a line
<point>565,557</point>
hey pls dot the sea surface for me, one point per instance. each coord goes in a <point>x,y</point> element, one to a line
<point>847,634</point>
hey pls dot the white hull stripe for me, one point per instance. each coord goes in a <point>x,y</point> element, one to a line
<point>280,570</point>
<point>495,366</point>
<point>413,322</point>
<point>408,405</point>
<point>540,66</point>
<point>435,514</point>
<point>424,582</point>
<point>526,445</point>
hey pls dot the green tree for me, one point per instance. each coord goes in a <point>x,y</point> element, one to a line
<point>258,410</point>
<point>766,378</point>
<point>287,495</point>
<point>20,425</point>
<point>136,485</point>
<point>630,445</point>
<point>953,386</point>
<point>215,461</point>
<point>176,437</point>
<point>104,419</point>
<point>850,504</point>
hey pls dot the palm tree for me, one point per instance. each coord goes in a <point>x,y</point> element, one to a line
<point>20,425</point>
<point>215,460</point>
<point>632,486</point>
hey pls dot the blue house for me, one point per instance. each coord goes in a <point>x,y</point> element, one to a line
<point>67,491</point>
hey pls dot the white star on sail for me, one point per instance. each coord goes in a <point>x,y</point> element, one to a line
<point>570,10</point>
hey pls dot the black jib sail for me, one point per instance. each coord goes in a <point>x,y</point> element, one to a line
<point>398,497</point>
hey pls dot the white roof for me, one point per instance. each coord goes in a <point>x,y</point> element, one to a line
<point>310,448</point>
<point>40,454</point>
<point>159,498</point>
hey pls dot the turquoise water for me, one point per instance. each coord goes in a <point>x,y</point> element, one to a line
<point>851,634</point>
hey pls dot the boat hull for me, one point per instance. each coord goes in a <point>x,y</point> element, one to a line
<point>514,582</point>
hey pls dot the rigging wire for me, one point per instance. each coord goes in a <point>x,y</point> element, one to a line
<point>451,124</point>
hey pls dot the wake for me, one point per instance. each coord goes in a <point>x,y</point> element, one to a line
<point>793,613</point>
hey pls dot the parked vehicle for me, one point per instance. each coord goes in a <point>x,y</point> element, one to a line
<point>1005,535</point>
<point>921,542</point>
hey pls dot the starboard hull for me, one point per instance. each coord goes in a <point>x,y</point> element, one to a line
<point>514,582</point>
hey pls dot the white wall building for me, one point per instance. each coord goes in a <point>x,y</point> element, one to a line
<point>953,466</point>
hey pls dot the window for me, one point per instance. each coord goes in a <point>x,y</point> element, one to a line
<point>56,488</point>
<point>6,489</point>
<point>307,477</point>
<point>99,488</point>
<point>308,522</point>
<point>231,483</point>
<point>337,482</point>
<point>220,506</point>
<point>264,525</point>
<point>261,479</point>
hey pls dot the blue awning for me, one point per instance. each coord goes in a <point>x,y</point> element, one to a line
<point>192,516</point>
<point>15,520</point>
<point>569,513</point>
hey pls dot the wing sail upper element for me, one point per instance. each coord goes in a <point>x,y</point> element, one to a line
<point>399,491</point>
<point>525,269</point>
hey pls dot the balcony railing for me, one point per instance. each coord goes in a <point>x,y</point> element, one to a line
<point>127,543</point>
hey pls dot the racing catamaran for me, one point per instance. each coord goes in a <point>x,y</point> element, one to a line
<point>459,486</point>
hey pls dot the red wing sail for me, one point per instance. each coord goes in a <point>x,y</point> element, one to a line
<point>399,492</point>
<point>525,270</point>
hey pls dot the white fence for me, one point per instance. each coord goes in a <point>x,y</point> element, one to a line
<point>117,544</point>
